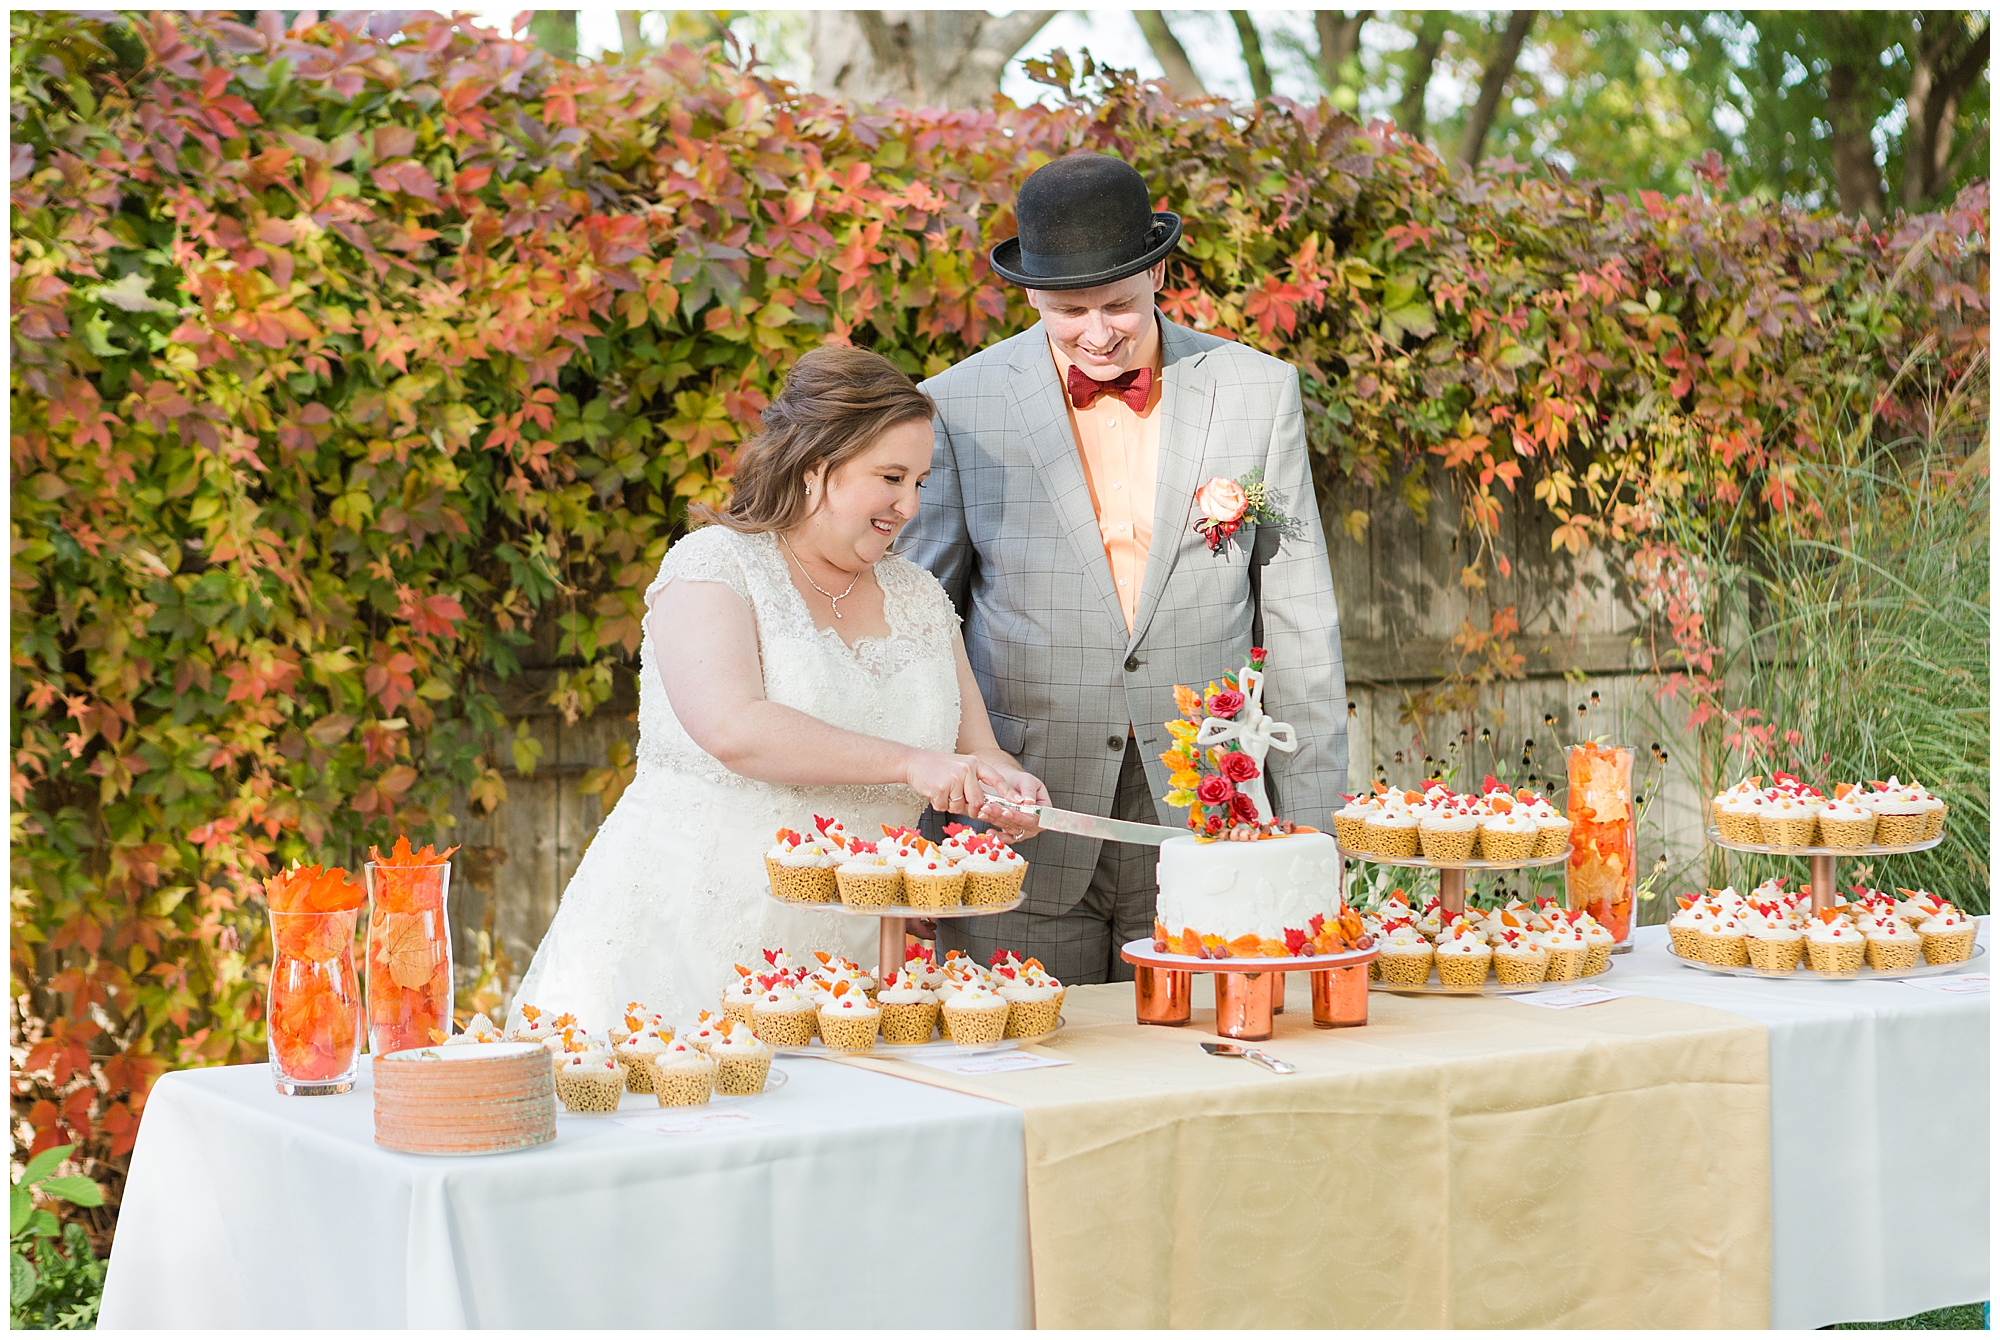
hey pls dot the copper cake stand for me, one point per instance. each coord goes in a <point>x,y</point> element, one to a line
<point>1823,859</point>
<point>889,947</point>
<point>1248,991</point>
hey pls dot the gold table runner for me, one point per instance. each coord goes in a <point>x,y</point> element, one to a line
<point>1457,1162</point>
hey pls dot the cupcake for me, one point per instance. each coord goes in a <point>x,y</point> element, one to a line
<point>1567,951</point>
<point>636,1054</point>
<point>1551,828</point>
<point>1518,960</point>
<point>974,1014</point>
<point>1505,834</point>
<point>993,871</point>
<point>930,880</point>
<point>1462,958</point>
<point>909,1011</point>
<point>1450,833</point>
<point>867,879</point>
<point>1736,811</point>
<point>1834,948</point>
<point>848,1020</point>
<point>1032,1006</point>
<point>1391,831</point>
<point>636,1018</point>
<point>590,1080</point>
<point>742,1062</point>
<point>1349,823</point>
<point>532,1024</point>
<point>1598,944</point>
<point>1890,943</point>
<point>1406,957</point>
<point>682,1075</point>
<point>1947,937</point>
<point>1902,816</point>
<point>1934,811</point>
<point>783,1017</point>
<point>1721,942</point>
<point>480,1029</point>
<point>1789,821</point>
<point>1844,823</point>
<point>707,1028</point>
<point>1772,940</point>
<point>1916,906</point>
<point>740,996</point>
<point>801,868</point>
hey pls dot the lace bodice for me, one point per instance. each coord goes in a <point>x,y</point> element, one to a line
<point>901,687</point>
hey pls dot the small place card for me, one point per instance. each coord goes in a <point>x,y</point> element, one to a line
<point>1954,984</point>
<point>987,1063</point>
<point>694,1122</point>
<point>1569,998</point>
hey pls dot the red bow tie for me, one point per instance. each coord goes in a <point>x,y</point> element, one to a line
<point>1132,388</point>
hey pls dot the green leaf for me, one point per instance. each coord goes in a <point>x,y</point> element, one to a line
<point>77,1190</point>
<point>21,1279</point>
<point>19,1208</point>
<point>128,295</point>
<point>43,1164</point>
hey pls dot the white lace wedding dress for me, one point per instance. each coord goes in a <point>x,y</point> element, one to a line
<point>672,889</point>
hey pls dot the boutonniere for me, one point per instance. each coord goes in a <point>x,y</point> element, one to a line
<point>1225,504</point>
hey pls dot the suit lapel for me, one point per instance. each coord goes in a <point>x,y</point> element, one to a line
<point>1187,397</point>
<point>1044,419</point>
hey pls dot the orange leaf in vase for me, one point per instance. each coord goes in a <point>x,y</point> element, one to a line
<point>311,888</point>
<point>408,951</point>
<point>407,881</point>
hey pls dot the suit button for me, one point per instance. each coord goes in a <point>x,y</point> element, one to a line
<point>1131,662</point>
<point>1114,742</point>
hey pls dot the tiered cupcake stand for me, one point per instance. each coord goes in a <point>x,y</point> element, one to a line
<point>1451,897</point>
<point>1248,991</point>
<point>1825,862</point>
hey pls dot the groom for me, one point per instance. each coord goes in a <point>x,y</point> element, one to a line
<point>1060,518</point>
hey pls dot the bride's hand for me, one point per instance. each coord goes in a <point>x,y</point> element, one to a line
<point>1012,784</point>
<point>950,782</point>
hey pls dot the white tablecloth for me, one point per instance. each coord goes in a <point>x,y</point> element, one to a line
<point>247,1208</point>
<point>1880,1135</point>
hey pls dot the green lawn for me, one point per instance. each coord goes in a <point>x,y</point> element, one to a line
<point>1965,1317</point>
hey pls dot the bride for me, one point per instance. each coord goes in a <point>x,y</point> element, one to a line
<point>791,666</point>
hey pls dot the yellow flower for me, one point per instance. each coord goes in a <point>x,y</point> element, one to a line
<point>1176,760</point>
<point>1185,780</point>
<point>1180,800</point>
<point>1183,731</point>
<point>1185,701</point>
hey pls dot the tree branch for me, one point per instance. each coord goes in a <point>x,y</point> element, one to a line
<point>1491,85</point>
<point>1172,56</point>
<point>629,40</point>
<point>1339,39</point>
<point>1009,34</point>
<point>1253,53</point>
<point>1417,76</point>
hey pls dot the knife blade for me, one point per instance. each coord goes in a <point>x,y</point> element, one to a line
<point>1265,1059</point>
<point>1090,825</point>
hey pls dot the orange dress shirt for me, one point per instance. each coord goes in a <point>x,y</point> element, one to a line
<point>1121,457</point>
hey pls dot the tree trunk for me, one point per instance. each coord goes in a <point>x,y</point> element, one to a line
<point>1253,53</point>
<point>1472,143</point>
<point>1181,79</point>
<point>1417,74</point>
<point>554,31</point>
<point>920,58</point>
<point>1942,67</point>
<point>629,40</point>
<point>1856,179</point>
<point>1339,40</point>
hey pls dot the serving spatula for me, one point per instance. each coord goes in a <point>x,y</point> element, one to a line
<point>1265,1059</point>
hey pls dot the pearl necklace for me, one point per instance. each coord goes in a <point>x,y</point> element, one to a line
<point>831,597</point>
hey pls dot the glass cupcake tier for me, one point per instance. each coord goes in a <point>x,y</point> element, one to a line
<point>1864,973</point>
<point>1493,987</point>
<point>1142,952</point>
<point>913,913</point>
<point>645,1102</point>
<point>1765,849</point>
<point>1423,863</point>
<point>818,1050</point>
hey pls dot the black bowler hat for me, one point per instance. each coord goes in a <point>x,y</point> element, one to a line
<point>1085,219</point>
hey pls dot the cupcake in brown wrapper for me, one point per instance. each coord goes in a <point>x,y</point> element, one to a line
<point>1507,837</point>
<point>682,1076</point>
<point>1551,835</point>
<point>869,882</point>
<point>1722,945</point>
<point>933,884</point>
<point>1391,834</point>
<point>908,1023</point>
<point>1596,959</point>
<point>801,883</point>
<point>784,1018</point>
<point>1947,938</point>
<point>1898,830</point>
<point>974,1015</point>
<point>848,1020</point>
<point>1031,1018</point>
<point>1519,963</point>
<point>1448,837</point>
<point>1788,826</point>
<point>1349,831</point>
<point>590,1083</point>
<point>1774,952</point>
<point>1835,953</point>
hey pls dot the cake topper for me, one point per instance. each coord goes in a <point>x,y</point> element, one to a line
<point>1221,742</point>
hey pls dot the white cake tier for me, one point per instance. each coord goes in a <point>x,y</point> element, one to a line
<point>1262,888</point>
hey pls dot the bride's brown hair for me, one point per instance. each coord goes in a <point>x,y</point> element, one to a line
<point>836,401</point>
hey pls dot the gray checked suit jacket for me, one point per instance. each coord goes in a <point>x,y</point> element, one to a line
<point>1008,527</point>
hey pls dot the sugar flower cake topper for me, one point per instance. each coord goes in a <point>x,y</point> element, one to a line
<point>1217,763</point>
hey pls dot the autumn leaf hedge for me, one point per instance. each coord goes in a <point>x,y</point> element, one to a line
<point>343,359</point>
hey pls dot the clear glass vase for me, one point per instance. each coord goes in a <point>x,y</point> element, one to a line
<point>409,956</point>
<point>1603,864</point>
<point>313,1007</point>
